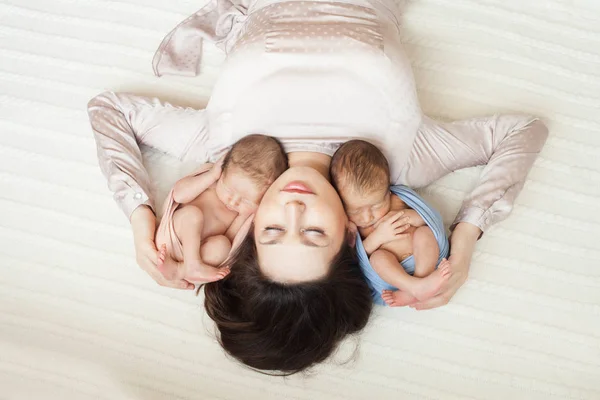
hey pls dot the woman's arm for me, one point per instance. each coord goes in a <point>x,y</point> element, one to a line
<point>508,145</point>
<point>462,245</point>
<point>122,122</point>
<point>143,223</point>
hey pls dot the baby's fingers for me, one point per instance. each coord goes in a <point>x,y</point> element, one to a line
<point>391,217</point>
<point>397,216</point>
<point>401,222</point>
<point>401,229</point>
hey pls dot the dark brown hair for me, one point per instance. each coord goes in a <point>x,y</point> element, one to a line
<point>259,156</point>
<point>287,328</point>
<point>360,165</point>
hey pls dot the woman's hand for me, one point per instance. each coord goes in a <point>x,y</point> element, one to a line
<point>462,246</point>
<point>143,223</point>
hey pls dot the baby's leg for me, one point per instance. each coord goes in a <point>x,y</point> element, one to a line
<point>188,222</point>
<point>389,269</point>
<point>398,298</point>
<point>425,251</point>
<point>215,250</point>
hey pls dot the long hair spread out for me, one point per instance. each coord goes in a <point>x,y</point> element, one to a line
<point>286,328</point>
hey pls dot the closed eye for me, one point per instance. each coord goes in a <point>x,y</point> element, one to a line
<point>314,230</point>
<point>274,229</point>
<point>274,235</point>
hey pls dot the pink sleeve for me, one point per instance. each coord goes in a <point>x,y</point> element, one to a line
<point>219,21</point>
<point>122,122</point>
<point>507,145</point>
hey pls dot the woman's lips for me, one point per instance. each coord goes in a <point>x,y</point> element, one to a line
<point>297,187</point>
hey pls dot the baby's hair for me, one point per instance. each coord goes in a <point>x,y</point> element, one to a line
<point>261,157</point>
<point>361,166</point>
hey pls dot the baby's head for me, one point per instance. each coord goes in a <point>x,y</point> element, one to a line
<point>249,168</point>
<point>361,175</point>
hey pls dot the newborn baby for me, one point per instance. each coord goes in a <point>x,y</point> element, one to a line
<point>390,230</point>
<point>206,210</point>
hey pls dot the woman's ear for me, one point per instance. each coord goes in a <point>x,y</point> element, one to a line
<point>352,232</point>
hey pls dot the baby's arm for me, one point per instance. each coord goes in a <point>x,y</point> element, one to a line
<point>190,187</point>
<point>390,228</point>
<point>371,243</point>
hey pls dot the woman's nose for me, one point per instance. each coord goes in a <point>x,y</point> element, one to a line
<point>293,211</point>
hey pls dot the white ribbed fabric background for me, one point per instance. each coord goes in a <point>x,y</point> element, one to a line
<point>79,319</point>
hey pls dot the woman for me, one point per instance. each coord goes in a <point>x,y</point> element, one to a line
<point>312,74</point>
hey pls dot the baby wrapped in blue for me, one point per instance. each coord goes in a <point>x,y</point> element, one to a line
<point>401,241</point>
<point>433,219</point>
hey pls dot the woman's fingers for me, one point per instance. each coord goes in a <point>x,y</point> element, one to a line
<point>178,284</point>
<point>448,291</point>
<point>183,284</point>
<point>434,302</point>
<point>175,284</point>
<point>148,262</point>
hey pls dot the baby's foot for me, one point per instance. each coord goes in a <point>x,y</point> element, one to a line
<point>398,298</point>
<point>430,285</point>
<point>198,272</point>
<point>167,266</point>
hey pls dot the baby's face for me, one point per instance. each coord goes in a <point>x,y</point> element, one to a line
<point>366,210</point>
<point>238,192</point>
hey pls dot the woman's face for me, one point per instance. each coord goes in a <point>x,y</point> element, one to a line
<point>299,226</point>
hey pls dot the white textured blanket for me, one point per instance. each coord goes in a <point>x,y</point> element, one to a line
<point>79,319</point>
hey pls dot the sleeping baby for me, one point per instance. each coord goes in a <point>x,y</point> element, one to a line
<point>391,232</point>
<point>205,211</point>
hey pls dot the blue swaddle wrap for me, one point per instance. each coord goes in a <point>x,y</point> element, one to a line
<point>433,220</point>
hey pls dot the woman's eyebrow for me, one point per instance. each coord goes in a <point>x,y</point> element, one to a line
<point>270,242</point>
<point>309,243</point>
<point>304,241</point>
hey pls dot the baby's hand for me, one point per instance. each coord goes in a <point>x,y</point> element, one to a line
<point>391,227</point>
<point>217,167</point>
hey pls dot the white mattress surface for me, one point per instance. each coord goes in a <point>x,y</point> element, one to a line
<point>79,319</point>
